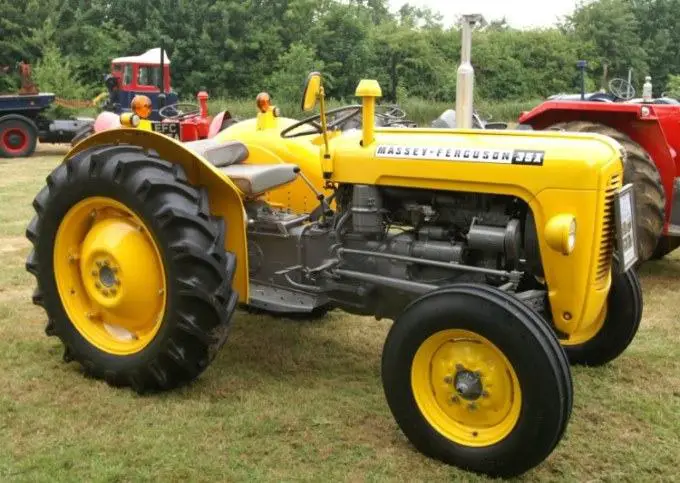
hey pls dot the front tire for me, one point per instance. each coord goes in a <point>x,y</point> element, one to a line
<point>639,169</point>
<point>616,331</point>
<point>476,379</point>
<point>131,268</point>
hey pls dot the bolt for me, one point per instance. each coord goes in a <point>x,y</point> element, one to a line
<point>94,273</point>
<point>97,285</point>
<point>567,316</point>
<point>455,399</point>
<point>99,264</point>
<point>113,291</point>
<point>114,269</point>
<point>117,282</point>
<point>472,407</point>
<point>460,367</point>
<point>71,258</point>
<point>485,394</point>
<point>161,292</point>
<point>448,379</point>
<point>93,213</point>
<point>105,293</point>
<point>106,263</point>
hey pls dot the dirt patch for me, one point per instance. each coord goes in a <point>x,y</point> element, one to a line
<point>13,244</point>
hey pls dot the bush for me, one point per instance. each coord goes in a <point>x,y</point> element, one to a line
<point>55,73</point>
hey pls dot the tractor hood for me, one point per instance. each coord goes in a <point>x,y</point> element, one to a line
<point>503,161</point>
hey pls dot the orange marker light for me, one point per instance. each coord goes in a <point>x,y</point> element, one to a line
<point>141,105</point>
<point>263,101</point>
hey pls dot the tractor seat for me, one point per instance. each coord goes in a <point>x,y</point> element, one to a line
<point>256,179</point>
<point>219,153</point>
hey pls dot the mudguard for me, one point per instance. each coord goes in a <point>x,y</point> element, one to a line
<point>225,197</point>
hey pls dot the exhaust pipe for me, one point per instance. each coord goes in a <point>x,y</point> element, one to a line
<point>466,74</point>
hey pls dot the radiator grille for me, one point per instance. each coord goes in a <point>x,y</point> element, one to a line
<point>606,252</point>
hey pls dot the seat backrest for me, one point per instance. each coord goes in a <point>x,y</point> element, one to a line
<point>256,179</point>
<point>220,154</point>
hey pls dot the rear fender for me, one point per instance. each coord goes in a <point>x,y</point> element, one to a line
<point>225,197</point>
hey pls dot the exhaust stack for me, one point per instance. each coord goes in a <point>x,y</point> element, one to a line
<point>466,74</point>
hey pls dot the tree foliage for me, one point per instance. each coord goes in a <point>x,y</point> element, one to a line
<point>237,48</point>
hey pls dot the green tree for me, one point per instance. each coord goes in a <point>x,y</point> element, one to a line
<point>293,67</point>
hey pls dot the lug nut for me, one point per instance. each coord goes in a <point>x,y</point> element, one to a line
<point>97,285</point>
<point>105,293</point>
<point>472,407</point>
<point>113,291</point>
<point>459,367</point>
<point>94,273</point>
<point>99,263</point>
<point>485,394</point>
<point>448,379</point>
<point>455,399</point>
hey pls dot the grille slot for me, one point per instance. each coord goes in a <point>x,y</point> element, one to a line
<point>606,252</point>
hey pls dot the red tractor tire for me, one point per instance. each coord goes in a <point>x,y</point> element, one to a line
<point>639,169</point>
<point>18,137</point>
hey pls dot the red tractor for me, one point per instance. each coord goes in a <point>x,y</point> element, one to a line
<point>649,131</point>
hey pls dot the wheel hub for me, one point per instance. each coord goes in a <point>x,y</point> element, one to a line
<point>15,140</point>
<point>110,275</point>
<point>466,387</point>
<point>468,384</point>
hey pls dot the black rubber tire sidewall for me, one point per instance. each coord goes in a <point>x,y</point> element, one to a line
<point>29,128</point>
<point>540,425</point>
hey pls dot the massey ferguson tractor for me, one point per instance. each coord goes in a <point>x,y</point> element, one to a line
<point>496,267</point>
<point>649,131</point>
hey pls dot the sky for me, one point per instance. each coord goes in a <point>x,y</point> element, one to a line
<point>518,13</point>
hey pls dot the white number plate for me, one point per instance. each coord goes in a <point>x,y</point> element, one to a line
<point>626,236</point>
<point>169,128</point>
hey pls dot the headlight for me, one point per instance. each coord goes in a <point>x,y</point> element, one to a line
<point>571,241</point>
<point>560,233</point>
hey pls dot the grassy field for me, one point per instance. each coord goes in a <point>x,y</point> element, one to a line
<point>289,400</point>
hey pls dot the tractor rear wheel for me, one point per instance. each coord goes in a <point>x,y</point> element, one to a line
<point>477,379</point>
<point>639,169</point>
<point>131,268</point>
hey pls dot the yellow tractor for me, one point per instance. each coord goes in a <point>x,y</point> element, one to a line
<point>484,247</point>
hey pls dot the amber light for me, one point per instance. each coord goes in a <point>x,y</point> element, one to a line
<point>263,101</point>
<point>141,105</point>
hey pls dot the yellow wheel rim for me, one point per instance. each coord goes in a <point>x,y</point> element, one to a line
<point>466,388</point>
<point>110,276</point>
<point>583,336</point>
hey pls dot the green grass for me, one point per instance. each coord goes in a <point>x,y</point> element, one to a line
<point>291,400</point>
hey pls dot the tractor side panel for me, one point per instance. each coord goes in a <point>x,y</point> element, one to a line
<point>224,196</point>
<point>647,132</point>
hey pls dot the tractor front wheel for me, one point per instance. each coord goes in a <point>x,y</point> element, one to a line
<point>476,379</point>
<point>616,327</point>
<point>131,268</point>
<point>639,169</point>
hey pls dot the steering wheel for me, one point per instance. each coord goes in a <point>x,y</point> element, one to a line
<point>622,89</point>
<point>179,111</point>
<point>315,121</point>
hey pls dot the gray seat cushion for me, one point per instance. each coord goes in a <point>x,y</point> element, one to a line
<point>256,179</point>
<point>219,153</point>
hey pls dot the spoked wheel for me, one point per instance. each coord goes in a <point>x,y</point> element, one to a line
<point>476,379</point>
<point>131,268</point>
<point>17,138</point>
<point>615,328</point>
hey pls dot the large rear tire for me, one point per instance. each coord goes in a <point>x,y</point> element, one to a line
<point>131,268</point>
<point>639,169</point>
<point>476,379</point>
